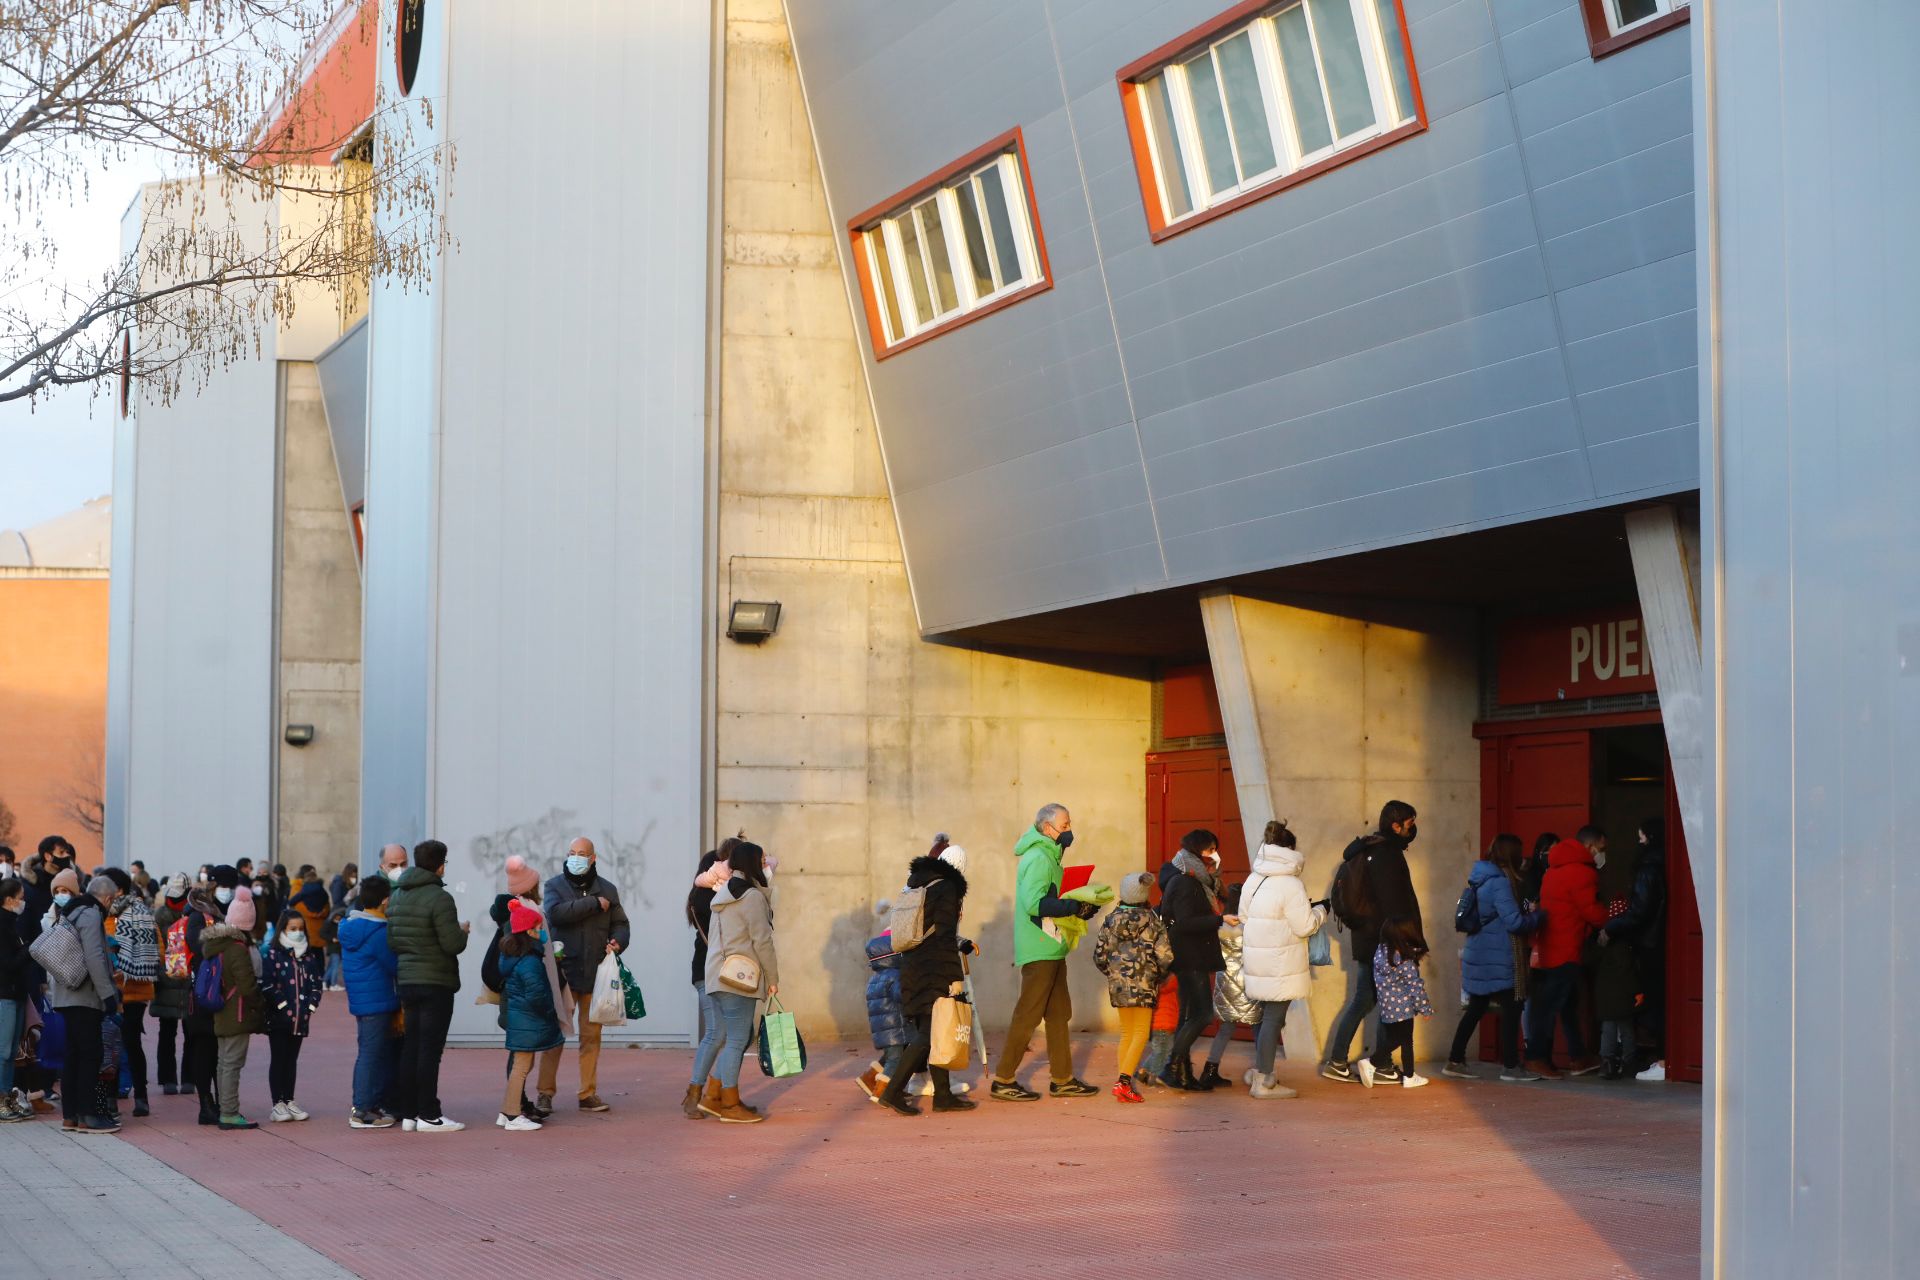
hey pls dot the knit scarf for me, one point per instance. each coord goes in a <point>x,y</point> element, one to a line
<point>137,951</point>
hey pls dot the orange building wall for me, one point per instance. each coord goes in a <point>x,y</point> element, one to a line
<point>53,703</point>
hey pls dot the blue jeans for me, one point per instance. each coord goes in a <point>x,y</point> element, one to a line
<point>736,1033</point>
<point>13,1025</point>
<point>1159,1048</point>
<point>334,976</point>
<point>1266,1042</point>
<point>373,1066</point>
<point>890,1059</point>
<point>711,1034</point>
<point>1359,1005</point>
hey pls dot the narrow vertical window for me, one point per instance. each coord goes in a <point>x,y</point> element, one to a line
<point>960,243</point>
<point>1244,104</point>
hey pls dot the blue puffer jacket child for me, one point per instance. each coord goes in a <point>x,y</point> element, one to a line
<point>369,966</point>
<point>526,1005</point>
<point>1486,963</point>
<point>885,1017</point>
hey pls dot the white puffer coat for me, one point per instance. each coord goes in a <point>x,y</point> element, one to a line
<point>1277,921</point>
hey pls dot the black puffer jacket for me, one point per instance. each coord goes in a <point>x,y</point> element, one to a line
<point>1193,925</point>
<point>15,964</point>
<point>927,971</point>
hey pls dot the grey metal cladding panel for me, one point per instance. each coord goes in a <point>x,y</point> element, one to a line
<point>1489,343</point>
<point>1610,190</point>
<point>1667,461</point>
<point>1004,591</point>
<point>1027,493</point>
<point>1486,444</point>
<point>1536,46</point>
<point>1228,450</point>
<point>1588,87</point>
<point>1645,405</point>
<point>1442,503</point>
<point>1646,120</point>
<point>1657,232</point>
<point>1625,298</point>
<point>858,31</point>
<point>1637,351</point>
<point>1098,38</point>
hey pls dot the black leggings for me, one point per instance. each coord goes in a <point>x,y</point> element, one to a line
<point>1395,1035</point>
<point>1509,1026</point>
<point>133,1026</point>
<point>197,1064</point>
<point>283,1064</point>
<point>1196,1010</point>
<point>80,1071</point>
<point>170,1043</point>
<point>919,1045</point>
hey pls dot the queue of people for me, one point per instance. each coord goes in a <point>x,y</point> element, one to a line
<point>1552,939</point>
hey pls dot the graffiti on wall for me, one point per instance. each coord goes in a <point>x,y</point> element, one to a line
<point>543,842</point>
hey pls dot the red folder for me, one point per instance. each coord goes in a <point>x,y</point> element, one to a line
<point>1072,878</point>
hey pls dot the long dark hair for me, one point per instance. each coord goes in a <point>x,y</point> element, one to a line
<point>1504,853</point>
<point>749,861</point>
<point>517,943</point>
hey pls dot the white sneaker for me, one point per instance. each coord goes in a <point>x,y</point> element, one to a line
<point>294,1110</point>
<point>518,1124</point>
<point>280,1113</point>
<point>1414,1081</point>
<point>1264,1087</point>
<point>1655,1073</point>
<point>926,1088</point>
<point>406,1126</point>
<point>442,1125</point>
<point>1365,1068</point>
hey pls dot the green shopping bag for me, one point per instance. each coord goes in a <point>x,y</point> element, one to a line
<point>636,1003</point>
<point>782,1052</point>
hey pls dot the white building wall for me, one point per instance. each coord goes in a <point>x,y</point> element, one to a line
<point>190,693</point>
<point>543,504</point>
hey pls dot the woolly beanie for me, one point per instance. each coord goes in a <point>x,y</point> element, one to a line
<point>67,879</point>
<point>521,917</point>
<point>955,857</point>
<point>522,880</point>
<point>240,912</point>
<point>1133,889</point>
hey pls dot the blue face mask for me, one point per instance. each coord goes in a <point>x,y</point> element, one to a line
<point>540,936</point>
<point>61,900</point>
<point>577,864</point>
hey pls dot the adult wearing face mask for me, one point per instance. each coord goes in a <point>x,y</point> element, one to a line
<point>172,990</point>
<point>741,925</point>
<point>1379,889</point>
<point>1042,956</point>
<point>135,948</point>
<point>206,907</point>
<point>393,862</point>
<point>588,924</point>
<point>16,968</point>
<point>425,931</point>
<point>55,856</point>
<point>291,983</point>
<point>85,1003</point>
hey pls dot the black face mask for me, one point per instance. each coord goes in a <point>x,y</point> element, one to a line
<point>1064,840</point>
<point>1413,830</point>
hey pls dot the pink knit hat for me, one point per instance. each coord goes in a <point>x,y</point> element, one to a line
<point>522,880</point>
<point>240,913</point>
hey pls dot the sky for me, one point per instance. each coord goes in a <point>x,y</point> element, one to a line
<point>58,453</point>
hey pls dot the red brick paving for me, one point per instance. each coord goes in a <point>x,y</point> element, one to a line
<point>1581,1179</point>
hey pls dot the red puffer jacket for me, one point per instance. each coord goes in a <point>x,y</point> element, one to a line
<point>1570,896</point>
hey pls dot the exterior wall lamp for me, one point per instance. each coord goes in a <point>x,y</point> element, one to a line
<point>752,621</point>
<point>299,735</point>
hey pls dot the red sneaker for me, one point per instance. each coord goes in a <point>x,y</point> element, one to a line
<point>1124,1091</point>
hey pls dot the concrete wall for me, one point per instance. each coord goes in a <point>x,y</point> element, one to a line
<point>1809,200</point>
<point>1356,705</point>
<point>317,811</point>
<point>845,742</point>
<point>1490,321</point>
<point>53,701</point>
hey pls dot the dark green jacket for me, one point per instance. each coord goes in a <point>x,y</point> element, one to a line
<point>241,1014</point>
<point>423,928</point>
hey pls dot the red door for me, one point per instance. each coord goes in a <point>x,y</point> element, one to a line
<point>1686,956</point>
<point>1546,785</point>
<point>1188,789</point>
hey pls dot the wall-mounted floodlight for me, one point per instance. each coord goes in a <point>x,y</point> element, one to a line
<point>299,735</point>
<point>752,621</point>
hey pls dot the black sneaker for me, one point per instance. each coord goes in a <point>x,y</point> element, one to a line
<point>900,1106</point>
<point>1339,1071</point>
<point>1387,1075</point>
<point>954,1104</point>
<point>1013,1091</point>
<point>1074,1088</point>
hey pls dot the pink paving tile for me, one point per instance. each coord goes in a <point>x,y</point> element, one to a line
<point>1574,1180</point>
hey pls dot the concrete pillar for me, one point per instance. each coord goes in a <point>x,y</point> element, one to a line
<point>1666,571</point>
<point>1332,708</point>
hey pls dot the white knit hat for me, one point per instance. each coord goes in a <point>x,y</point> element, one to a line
<point>956,857</point>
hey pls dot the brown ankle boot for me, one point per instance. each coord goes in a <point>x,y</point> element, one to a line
<point>690,1105</point>
<point>712,1098</point>
<point>730,1111</point>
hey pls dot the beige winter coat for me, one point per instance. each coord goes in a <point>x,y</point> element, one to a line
<point>1276,921</point>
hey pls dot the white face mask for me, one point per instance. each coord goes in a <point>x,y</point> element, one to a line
<point>224,895</point>
<point>62,899</point>
<point>577,864</point>
<point>6,869</point>
<point>294,942</point>
<point>394,873</point>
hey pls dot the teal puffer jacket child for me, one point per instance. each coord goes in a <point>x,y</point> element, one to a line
<point>526,1006</point>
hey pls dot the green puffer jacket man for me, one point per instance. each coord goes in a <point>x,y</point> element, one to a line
<point>423,928</point>
<point>1036,891</point>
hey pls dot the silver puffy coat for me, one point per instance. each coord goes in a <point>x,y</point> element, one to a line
<point>1230,1002</point>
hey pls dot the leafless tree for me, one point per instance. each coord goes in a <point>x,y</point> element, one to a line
<point>9,827</point>
<point>83,800</point>
<point>209,91</point>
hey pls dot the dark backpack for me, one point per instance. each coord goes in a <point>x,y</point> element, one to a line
<point>1352,894</point>
<point>1466,912</point>
<point>209,986</point>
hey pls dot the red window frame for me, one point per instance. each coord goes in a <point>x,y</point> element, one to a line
<point>357,514</point>
<point>410,16</point>
<point>862,223</point>
<point>1602,41</point>
<point>1158,228</point>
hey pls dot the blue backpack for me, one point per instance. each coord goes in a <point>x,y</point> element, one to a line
<point>209,986</point>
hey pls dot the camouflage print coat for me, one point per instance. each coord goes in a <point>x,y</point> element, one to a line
<point>1135,953</point>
